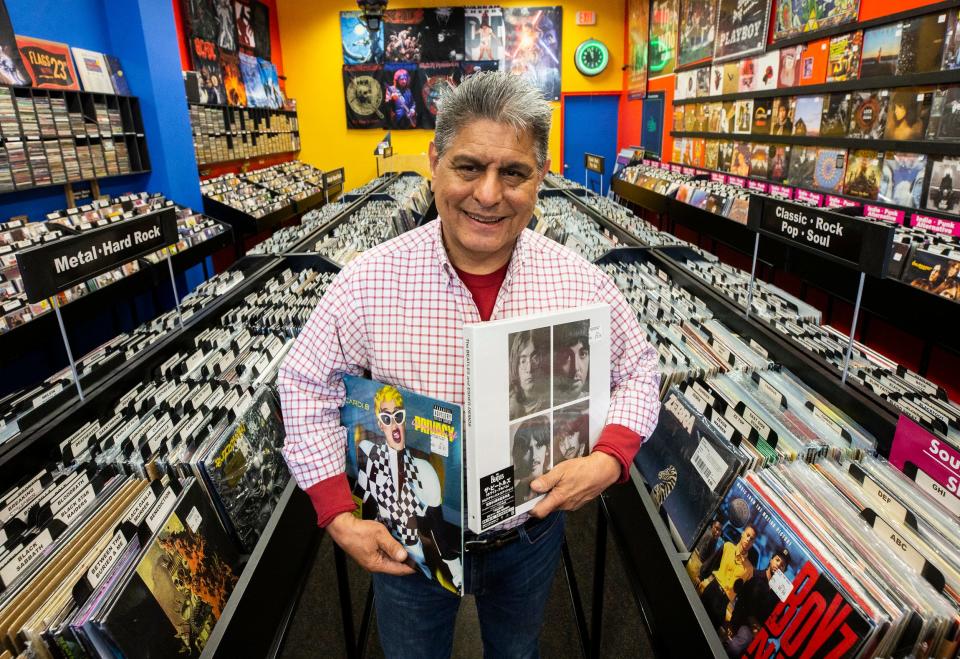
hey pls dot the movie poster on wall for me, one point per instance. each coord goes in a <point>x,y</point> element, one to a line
<point>401,103</point>
<point>442,34</point>
<point>402,34</point>
<point>363,96</point>
<point>533,46</point>
<point>638,27</point>
<point>359,46</point>
<point>697,29</point>
<point>483,34</point>
<point>436,79</point>
<point>662,53</point>
<point>793,17</point>
<point>742,27</point>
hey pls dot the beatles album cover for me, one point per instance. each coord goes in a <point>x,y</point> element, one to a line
<point>205,57</point>
<point>748,75</point>
<point>48,63</point>
<point>807,113</point>
<point>813,62</point>
<point>836,115</point>
<point>742,28</point>
<point>688,466</point>
<point>762,108</point>
<point>908,112</point>
<point>533,38</point>
<point>260,18</point>
<point>802,163</point>
<point>401,103</point>
<point>12,71</point>
<point>740,159</point>
<point>868,114</point>
<point>364,95</point>
<point>767,71</point>
<point>442,30</point>
<point>789,74</point>
<point>863,174</point>
<point>436,78</point>
<point>662,53</point>
<point>226,25</point>
<point>902,177</point>
<point>405,468</point>
<point>402,34</point>
<point>760,160</point>
<point>943,194</point>
<point>484,38</point>
<point>793,17</point>
<point>944,121</point>
<point>829,170</point>
<point>921,44</point>
<point>253,82</point>
<point>232,79</point>
<point>698,24</point>
<point>844,62</point>
<point>951,42</point>
<point>523,375</point>
<point>743,116</point>
<point>724,156</point>
<point>781,116</point>
<point>779,157</point>
<point>359,46</point>
<point>881,50</point>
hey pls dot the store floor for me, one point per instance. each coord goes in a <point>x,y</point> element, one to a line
<point>316,630</point>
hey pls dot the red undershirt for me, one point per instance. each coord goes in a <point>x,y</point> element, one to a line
<point>332,496</point>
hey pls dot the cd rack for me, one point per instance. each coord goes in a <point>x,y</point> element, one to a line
<point>226,133</point>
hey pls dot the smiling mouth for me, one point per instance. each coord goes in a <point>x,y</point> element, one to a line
<point>485,219</point>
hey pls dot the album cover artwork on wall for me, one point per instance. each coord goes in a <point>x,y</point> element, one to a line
<point>402,35</point>
<point>881,50</point>
<point>945,115</point>
<point>901,180</point>
<point>944,194</point>
<point>400,83</point>
<point>435,78</point>
<point>698,26</point>
<point>908,113</point>
<point>359,45</point>
<point>836,115</point>
<point>829,169</point>
<point>868,114</point>
<point>921,44</point>
<point>794,17</point>
<point>742,27</point>
<point>533,38</point>
<point>807,114</point>
<point>863,174</point>
<point>442,34</point>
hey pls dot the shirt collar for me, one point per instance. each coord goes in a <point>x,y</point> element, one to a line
<point>520,250</point>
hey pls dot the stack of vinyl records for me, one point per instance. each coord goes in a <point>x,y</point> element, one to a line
<point>285,238</point>
<point>561,220</point>
<point>374,222</point>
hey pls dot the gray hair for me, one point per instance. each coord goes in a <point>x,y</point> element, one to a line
<point>497,96</point>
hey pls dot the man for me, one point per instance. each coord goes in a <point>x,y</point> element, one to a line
<point>754,604</point>
<point>404,491</point>
<point>705,553</point>
<point>720,588</point>
<point>531,448</point>
<point>571,431</point>
<point>411,296</point>
<point>528,393</point>
<point>571,367</point>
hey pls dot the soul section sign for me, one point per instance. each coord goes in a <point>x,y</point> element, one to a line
<point>49,269</point>
<point>861,244</point>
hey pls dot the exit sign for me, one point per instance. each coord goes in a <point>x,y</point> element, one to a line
<point>586,18</point>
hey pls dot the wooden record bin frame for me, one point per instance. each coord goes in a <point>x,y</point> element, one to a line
<point>88,104</point>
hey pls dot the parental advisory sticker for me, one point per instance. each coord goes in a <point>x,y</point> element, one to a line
<point>497,497</point>
<point>709,464</point>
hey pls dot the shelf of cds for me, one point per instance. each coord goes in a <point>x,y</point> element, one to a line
<point>53,137</point>
<point>756,506</point>
<point>224,133</point>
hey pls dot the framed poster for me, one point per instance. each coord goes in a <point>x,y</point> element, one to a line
<point>793,17</point>
<point>638,29</point>
<point>662,46</point>
<point>742,27</point>
<point>483,38</point>
<point>697,30</point>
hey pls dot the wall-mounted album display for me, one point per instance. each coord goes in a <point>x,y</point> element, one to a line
<point>795,17</point>
<point>742,27</point>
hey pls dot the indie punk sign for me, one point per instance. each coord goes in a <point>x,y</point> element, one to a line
<point>49,269</point>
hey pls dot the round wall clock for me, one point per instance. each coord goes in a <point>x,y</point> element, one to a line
<point>591,57</point>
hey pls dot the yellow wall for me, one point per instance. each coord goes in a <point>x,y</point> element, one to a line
<point>310,36</point>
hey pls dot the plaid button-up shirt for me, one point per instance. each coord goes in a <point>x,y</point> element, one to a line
<point>399,311</point>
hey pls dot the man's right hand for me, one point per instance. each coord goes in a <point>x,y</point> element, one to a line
<point>370,544</point>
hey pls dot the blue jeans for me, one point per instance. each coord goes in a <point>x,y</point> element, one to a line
<point>415,617</point>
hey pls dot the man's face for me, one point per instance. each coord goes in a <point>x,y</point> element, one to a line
<point>746,540</point>
<point>776,564</point>
<point>575,366</point>
<point>527,368</point>
<point>390,419</point>
<point>538,459</point>
<point>485,186</point>
<point>569,445</point>
<point>715,530</point>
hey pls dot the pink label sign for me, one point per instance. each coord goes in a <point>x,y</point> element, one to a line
<point>781,191</point>
<point>883,213</point>
<point>839,202</point>
<point>814,198</point>
<point>717,177</point>
<point>757,186</point>
<point>924,457</point>
<point>936,224</point>
<point>688,171</point>
<point>737,181</point>
<point>676,169</point>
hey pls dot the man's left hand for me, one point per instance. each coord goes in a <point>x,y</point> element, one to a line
<point>573,483</point>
